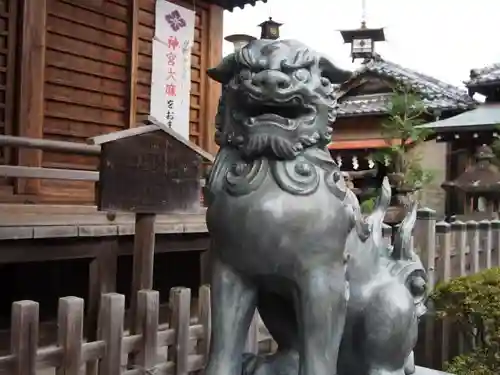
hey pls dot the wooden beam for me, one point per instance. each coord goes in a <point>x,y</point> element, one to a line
<point>48,173</point>
<point>213,92</point>
<point>40,250</point>
<point>49,145</point>
<point>133,61</point>
<point>31,90</point>
<point>33,218</point>
<point>143,260</point>
<point>115,136</point>
<point>102,279</point>
<point>10,97</point>
<point>213,89</point>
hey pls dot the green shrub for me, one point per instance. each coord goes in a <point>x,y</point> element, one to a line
<point>473,304</point>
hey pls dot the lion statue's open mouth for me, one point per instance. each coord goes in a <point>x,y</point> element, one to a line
<point>271,126</point>
<point>286,114</point>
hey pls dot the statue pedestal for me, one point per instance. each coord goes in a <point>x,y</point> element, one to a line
<point>427,371</point>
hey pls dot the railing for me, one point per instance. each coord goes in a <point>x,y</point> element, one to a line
<point>29,172</point>
<point>48,145</point>
<point>184,339</point>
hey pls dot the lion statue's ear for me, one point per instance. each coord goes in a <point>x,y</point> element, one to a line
<point>225,70</point>
<point>331,71</point>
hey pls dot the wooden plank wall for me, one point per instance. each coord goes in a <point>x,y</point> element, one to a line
<point>354,128</point>
<point>85,82</point>
<point>97,74</point>
<point>8,34</point>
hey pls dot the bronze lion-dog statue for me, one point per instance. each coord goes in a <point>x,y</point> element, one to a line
<point>283,225</point>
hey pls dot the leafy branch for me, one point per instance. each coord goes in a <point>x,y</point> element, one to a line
<point>405,112</point>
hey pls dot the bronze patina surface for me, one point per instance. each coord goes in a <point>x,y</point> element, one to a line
<point>287,234</point>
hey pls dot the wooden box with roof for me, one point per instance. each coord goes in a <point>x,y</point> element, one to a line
<point>160,169</point>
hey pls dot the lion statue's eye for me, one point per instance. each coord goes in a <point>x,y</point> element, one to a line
<point>245,75</point>
<point>302,74</point>
<point>325,81</point>
<point>418,286</point>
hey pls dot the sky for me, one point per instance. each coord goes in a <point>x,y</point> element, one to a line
<point>441,38</point>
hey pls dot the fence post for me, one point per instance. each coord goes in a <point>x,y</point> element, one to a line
<point>143,259</point>
<point>473,240</point>
<point>495,229</point>
<point>70,334</point>
<point>460,236</point>
<point>443,230</point>
<point>205,319</point>
<point>146,324</point>
<point>460,243</point>
<point>180,302</point>
<point>426,243</point>
<point>111,318</point>
<point>443,233</point>
<point>486,241</point>
<point>24,336</point>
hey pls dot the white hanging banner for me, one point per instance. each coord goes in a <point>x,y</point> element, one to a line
<point>171,66</point>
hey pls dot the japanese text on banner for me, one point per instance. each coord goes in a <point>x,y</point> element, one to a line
<point>171,78</point>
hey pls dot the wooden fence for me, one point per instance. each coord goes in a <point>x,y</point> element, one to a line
<point>450,250</point>
<point>454,249</point>
<point>178,347</point>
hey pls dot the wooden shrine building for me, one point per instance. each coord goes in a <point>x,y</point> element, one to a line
<point>71,70</point>
<point>466,135</point>
<point>85,70</point>
<point>363,104</point>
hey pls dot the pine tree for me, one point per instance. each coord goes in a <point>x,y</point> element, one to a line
<point>400,130</point>
<point>405,112</point>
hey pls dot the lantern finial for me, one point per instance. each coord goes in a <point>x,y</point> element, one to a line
<point>270,29</point>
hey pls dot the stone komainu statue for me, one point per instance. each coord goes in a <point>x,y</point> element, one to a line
<point>283,224</point>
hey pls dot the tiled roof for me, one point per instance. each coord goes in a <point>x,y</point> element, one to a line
<point>231,4</point>
<point>436,95</point>
<point>484,75</point>
<point>485,116</point>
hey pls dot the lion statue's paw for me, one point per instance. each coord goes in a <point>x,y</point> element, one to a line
<point>279,363</point>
